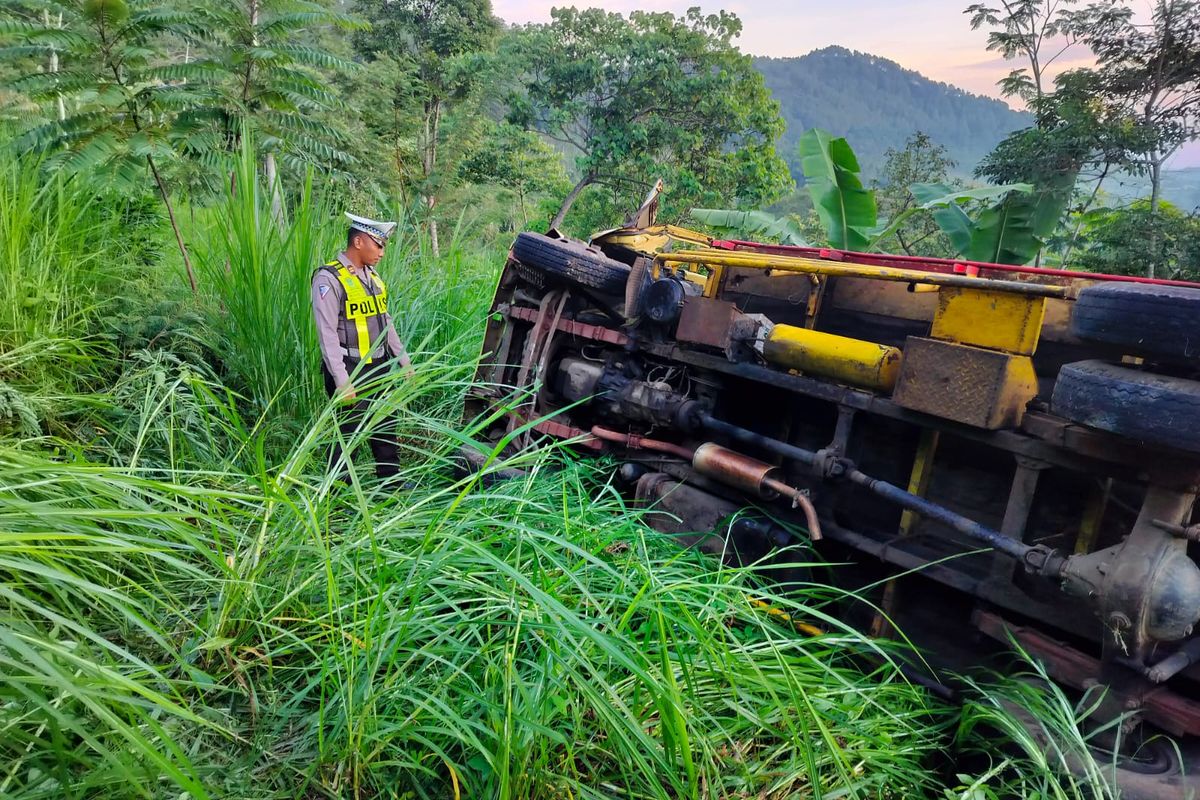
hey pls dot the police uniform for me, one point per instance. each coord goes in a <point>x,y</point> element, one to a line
<point>358,340</point>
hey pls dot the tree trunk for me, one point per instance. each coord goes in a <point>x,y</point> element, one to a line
<point>1079,222</point>
<point>570,199</point>
<point>434,247</point>
<point>433,114</point>
<point>53,65</point>
<point>166,198</point>
<point>275,189</point>
<point>1155,192</point>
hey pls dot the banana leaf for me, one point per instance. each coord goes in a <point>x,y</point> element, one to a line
<point>831,174</point>
<point>757,225</point>
<point>1010,231</point>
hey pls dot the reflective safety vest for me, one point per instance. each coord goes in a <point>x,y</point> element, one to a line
<point>364,315</point>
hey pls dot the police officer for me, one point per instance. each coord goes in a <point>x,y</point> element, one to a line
<point>358,341</point>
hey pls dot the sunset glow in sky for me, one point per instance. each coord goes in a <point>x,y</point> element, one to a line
<point>933,37</point>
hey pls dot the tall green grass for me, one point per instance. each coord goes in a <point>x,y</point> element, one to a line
<point>56,250</point>
<point>92,682</point>
<point>525,639</point>
<point>256,274</point>
<point>58,247</point>
<point>1040,741</point>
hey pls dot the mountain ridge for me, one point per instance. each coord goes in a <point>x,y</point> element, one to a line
<point>877,104</point>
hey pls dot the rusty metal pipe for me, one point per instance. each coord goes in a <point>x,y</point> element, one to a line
<point>755,477</point>
<point>731,468</point>
<point>734,469</point>
<point>799,500</point>
<point>632,440</point>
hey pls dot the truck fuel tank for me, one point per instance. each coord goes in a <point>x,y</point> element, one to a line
<point>852,361</point>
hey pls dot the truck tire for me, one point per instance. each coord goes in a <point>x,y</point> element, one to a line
<point>1145,319</point>
<point>1150,408</point>
<point>571,261</point>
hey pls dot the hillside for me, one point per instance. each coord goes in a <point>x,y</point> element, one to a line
<point>877,104</point>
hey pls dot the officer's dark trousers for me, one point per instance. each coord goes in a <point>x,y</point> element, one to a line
<point>352,416</point>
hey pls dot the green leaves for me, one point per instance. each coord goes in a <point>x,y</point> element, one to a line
<point>651,96</point>
<point>106,13</point>
<point>757,225</point>
<point>1010,231</point>
<point>846,209</point>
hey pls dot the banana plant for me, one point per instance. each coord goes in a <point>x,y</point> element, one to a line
<point>944,204</point>
<point>754,224</point>
<point>1011,230</point>
<point>831,175</point>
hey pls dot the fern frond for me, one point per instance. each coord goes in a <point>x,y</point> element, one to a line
<point>12,52</point>
<point>314,57</point>
<point>194,71</point>
<point>16,27</point>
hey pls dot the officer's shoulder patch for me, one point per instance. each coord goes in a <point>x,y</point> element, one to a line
<point>323,289</point>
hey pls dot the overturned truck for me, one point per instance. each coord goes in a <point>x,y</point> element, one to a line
<point>1020,445</point>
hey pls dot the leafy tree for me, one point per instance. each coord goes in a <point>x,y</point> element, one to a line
<point>124,112</point>
<point>1076,143</point>
<point>1115,241</point>
<point>921,160</point>
<point>442,39</point>
<point>266,68</point>
<point>1149,74</point>
<point>1069,129</point>
<point>517,160</point>
<point>1039,31</point>
<point>383,122</point>
<point>25,58</point>
<point>651,96</point>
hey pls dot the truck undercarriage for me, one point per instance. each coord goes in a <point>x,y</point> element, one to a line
<point>1020,446</point>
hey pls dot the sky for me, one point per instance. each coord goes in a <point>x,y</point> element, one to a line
<point>933,37</point>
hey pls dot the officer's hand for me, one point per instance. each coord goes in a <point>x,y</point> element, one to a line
<point>348,392</point>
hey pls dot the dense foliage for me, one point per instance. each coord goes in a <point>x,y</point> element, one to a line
<point>654,96</point>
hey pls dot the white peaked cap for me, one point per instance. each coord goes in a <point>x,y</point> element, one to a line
<point>380,230</point>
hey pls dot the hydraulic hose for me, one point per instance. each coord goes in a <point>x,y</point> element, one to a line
<point>919,505</point>
<point>750,437</point>
<point>636,442</point>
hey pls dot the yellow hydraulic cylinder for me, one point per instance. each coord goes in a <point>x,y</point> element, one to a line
<point>852,361</point>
